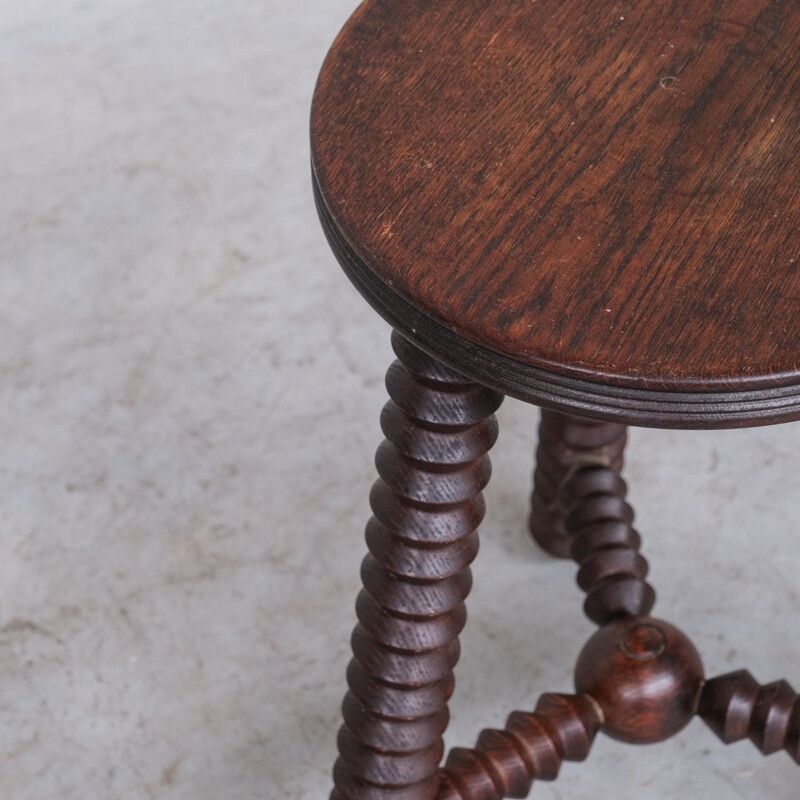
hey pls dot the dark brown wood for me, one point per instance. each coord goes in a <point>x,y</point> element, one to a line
<point>646,677</point>
<point>638,679</point>
<point>532,746</point>
<point>427,505</point>
<point>566,444</point>
<point>736,707</point>
<point>594,213</point>
<point>579,511</point>
<point>588,207</point>
<point>606,546</point>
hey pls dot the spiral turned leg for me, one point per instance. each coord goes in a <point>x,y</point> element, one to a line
<point>567,443</point>
<point>532,746</point>
<point>427,505</point>
<point>736,707</point>
<point>599,527</point>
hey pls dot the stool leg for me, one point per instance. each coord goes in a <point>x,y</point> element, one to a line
<point>427,505</point>
<point>736,707</point>
<point>566,444</point>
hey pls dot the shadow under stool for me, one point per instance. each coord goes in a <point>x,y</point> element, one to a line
<point>593,207</point>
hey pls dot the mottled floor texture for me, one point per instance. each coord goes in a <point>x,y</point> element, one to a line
<point>190,393</point>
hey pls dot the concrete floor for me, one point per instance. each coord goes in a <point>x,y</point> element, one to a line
<point>185,463</point>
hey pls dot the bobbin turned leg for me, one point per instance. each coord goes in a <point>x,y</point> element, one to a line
<point>566,444</point>
<point>427,504</point>
<point>736,707</point>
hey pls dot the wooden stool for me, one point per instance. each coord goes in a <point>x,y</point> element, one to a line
<point>593,207</point>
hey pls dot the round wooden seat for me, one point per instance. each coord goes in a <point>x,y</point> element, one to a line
<point>591,206</point>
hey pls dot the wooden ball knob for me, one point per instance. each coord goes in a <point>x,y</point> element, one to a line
<point>645,675</point>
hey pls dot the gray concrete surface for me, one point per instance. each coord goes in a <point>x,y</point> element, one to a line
<point>190,392</point>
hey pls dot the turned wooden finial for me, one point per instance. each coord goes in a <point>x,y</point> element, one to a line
<point>645,675</point>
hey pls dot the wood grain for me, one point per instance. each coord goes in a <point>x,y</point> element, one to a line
<point>427,505</point>
<point>566,444</point>
<point>590,206</point>
<point>597,193</point>
<point>645,675</point>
